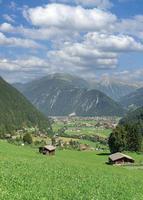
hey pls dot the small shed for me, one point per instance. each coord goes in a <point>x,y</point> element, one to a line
<point>120,159</point>
<point>84,147</point>
<point>47,150</point>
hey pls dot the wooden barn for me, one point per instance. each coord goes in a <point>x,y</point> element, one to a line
<point>84,147</point>
<point>120,159</point>
<point>47,150</point>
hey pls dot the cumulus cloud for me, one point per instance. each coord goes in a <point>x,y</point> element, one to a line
<point>96,51</point>
<point>28,64</point>
<point>120,43</point>
<point>132,26</point>
<point>69,17</point>
<point>18,42</point>
<point>80,40</point>
<point>52,33</point>
<point>6,27</point>
<point>102,4</point>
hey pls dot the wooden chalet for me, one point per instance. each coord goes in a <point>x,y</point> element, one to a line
<point>120,159</point>
<point>47,150</point>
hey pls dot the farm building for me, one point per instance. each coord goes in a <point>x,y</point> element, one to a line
<point>84,147</point>
<point>120,158</point>
<point>47,150</point>
<point>72,114</point>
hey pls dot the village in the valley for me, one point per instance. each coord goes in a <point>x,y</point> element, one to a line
<point>83,133</point>
<point>72,132</point>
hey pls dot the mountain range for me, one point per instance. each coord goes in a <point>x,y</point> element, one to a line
<point>133,100</point>
<point>61,94</point>
<point>114,88</point>
<point>17,112</point>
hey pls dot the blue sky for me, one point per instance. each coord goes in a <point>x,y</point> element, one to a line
<point>95,39</point>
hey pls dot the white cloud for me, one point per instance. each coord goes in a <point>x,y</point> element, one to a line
<point>102,4</point>
<point>18,42</point>
<point>134,76</point>
<point>8,18</point>
<point>6,27</point>
<point>23,68</point>
<point>27,64</point>
<point>81,57</point>
<point>54,34</point>
<point>96,51</point>
<point>133,26</point>
<point>69,17</point>
<point>117,43</point>
<point>81,40</point>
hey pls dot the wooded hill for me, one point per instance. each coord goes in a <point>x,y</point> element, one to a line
<point>17,112</point>
<point>129,133</point>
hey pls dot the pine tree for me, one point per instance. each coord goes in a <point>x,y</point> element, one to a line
<point>117,140</point>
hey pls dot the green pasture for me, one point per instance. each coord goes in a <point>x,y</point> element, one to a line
<point>69,175</point>
<point>89,131</point>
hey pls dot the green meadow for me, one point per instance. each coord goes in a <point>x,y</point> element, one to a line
<point>78,127</point>
<point>69,175</point>
<point>89,131</point>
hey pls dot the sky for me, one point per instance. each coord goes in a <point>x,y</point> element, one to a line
<point>94,39</point>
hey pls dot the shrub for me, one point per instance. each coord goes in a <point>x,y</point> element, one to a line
<point>27,138</point>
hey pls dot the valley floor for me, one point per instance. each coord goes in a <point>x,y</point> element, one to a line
<point>69,175</point>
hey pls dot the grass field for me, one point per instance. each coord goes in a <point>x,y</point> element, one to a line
<point>89,131</point>
<point>78,126</point>
<point>70,175</point>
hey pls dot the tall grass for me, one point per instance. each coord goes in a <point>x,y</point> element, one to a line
<point>70,175</point>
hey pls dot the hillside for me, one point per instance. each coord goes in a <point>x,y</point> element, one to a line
<point>134,99</point>
<point>68,175</point>
<point>113,88</point>
<point>58,96</point>
<point>16,111</point>
<point>134,117</point>
<point>128,135</point>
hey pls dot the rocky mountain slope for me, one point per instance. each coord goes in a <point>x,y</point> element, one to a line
<point>113,88</point>
<point>133,100</point>
<point>58,95</point>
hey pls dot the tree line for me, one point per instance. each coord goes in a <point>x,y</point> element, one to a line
<point>128,135</point>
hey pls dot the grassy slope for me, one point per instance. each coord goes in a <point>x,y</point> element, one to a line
<point>24,174</point>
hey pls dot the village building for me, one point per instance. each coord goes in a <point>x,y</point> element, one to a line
<point>120,159</point>
<point>7,136</point>
<point>72,114</point>
<point>47,150</point>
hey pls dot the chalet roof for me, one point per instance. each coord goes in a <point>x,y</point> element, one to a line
<point>118,155</point>
<point>50,147</point>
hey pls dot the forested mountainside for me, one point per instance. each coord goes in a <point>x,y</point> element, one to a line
<point>17,112</point>
<point>128,135</point>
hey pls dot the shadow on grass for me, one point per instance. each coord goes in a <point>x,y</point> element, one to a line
<point>103,154</point>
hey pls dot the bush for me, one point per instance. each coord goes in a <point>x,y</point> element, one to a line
<point>27,138</point>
